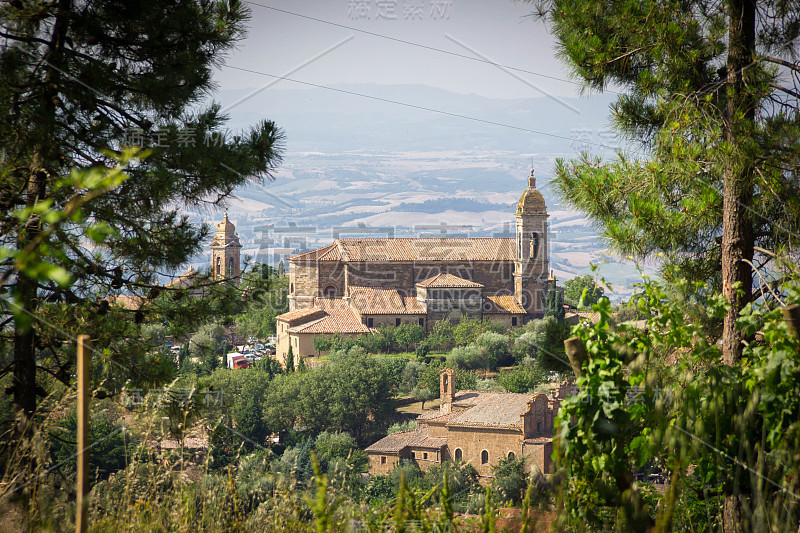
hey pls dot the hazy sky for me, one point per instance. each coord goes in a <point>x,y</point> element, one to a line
<point>502,31</point>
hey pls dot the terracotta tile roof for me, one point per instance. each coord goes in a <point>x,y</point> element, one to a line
<point>417,438</point>
<point>538,440</point>
<point>447,280</point>
<point>437,249</point>
<point>326,253</point>
<point>484,409</point>
<point>338,318</point>
<point>185,280</point>
<point>407,249</point>
<point>502,304</point>
<point>375,301</point>
<point>301,315</point>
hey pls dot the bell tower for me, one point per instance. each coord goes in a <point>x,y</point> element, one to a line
<point>225,248</point>
<point>531,262</point>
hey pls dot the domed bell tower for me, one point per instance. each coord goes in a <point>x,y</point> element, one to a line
<point>531,262</point>
<point>225,251</point>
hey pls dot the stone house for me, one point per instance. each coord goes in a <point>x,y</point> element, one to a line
<point>480,428</point>
<point>380,281</point>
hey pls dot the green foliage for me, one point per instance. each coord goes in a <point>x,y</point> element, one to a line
<point>429,379</point>
<point>632,410</point>
<point>555,302</point>
<point>470,357</point>
<point>423,395</point>
<point>467,331</point>
<point>510,479</point>
<point>408,334</point>
<point>395,368</point>
<point>440,338</point>
<point>290,365</point>
<point>113,446</point>
<point>266,296</point>
<point>497,348</point>
<point>521,380</point>
<point>322,344</point>
<point>582,291</point>
<point>348,394</point>
<point>66,147</point>
<point>410,376</point>
<point>545,343</point>
<point>249,420</point>
<point>398,427</point>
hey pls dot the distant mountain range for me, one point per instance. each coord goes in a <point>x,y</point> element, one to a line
<point>331,121</point>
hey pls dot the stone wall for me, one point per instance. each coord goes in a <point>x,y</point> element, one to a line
<point>382,464</point>
<point>303,284</point>
<point>391,320</point>
<point>473,441</point>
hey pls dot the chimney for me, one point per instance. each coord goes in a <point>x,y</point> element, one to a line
<point>447,389</point>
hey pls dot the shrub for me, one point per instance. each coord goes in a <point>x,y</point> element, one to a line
<point>398,427</point>
<point>249,420</point>
<point>496,345</point>
<point>408,334</point>
<point>510,479</point>
<point>521,380</point>
<point>111,449</point>
<point>467,331</point>
<point>410,376</point>
<point>468,357</point>
<point>440,337</point>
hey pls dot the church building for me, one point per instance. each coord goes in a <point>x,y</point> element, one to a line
<point>480,428</point>
<point>353,286</point>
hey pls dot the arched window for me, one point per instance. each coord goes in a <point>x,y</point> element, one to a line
<point>230,266</point>
<point>534,245</point>
<point>511,455</point>
<point>444,381</point>
<point>330,291</point>
<point>484,457</point>
<point>291,288</point>
<point>458,454</point>
<point>219,266</point>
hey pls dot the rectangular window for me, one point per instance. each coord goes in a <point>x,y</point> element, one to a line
<point>425,455</point>
<point>396,321</point>
<point>422,322</point>
<point>513,321</point>
<point>413,455</point>
<point>369,322</point>
<point>383,460</point>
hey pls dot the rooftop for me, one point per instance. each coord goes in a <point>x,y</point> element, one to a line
<point>409,249</point>
<point>448,280</point>
<point>417,438</point>
<point>375,301</point>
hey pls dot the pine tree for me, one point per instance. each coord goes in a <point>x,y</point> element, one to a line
<point>709,98</point>
<point>78,83</point>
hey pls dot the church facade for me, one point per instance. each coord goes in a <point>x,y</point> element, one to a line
<point>353,286</point>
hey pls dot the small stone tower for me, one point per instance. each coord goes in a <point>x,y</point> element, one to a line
<point>225,248</point>
<point>531,265</point>
<point>447,389</point>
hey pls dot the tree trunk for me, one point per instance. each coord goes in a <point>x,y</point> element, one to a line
<point>24,328</point>
<point>737,231</point>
